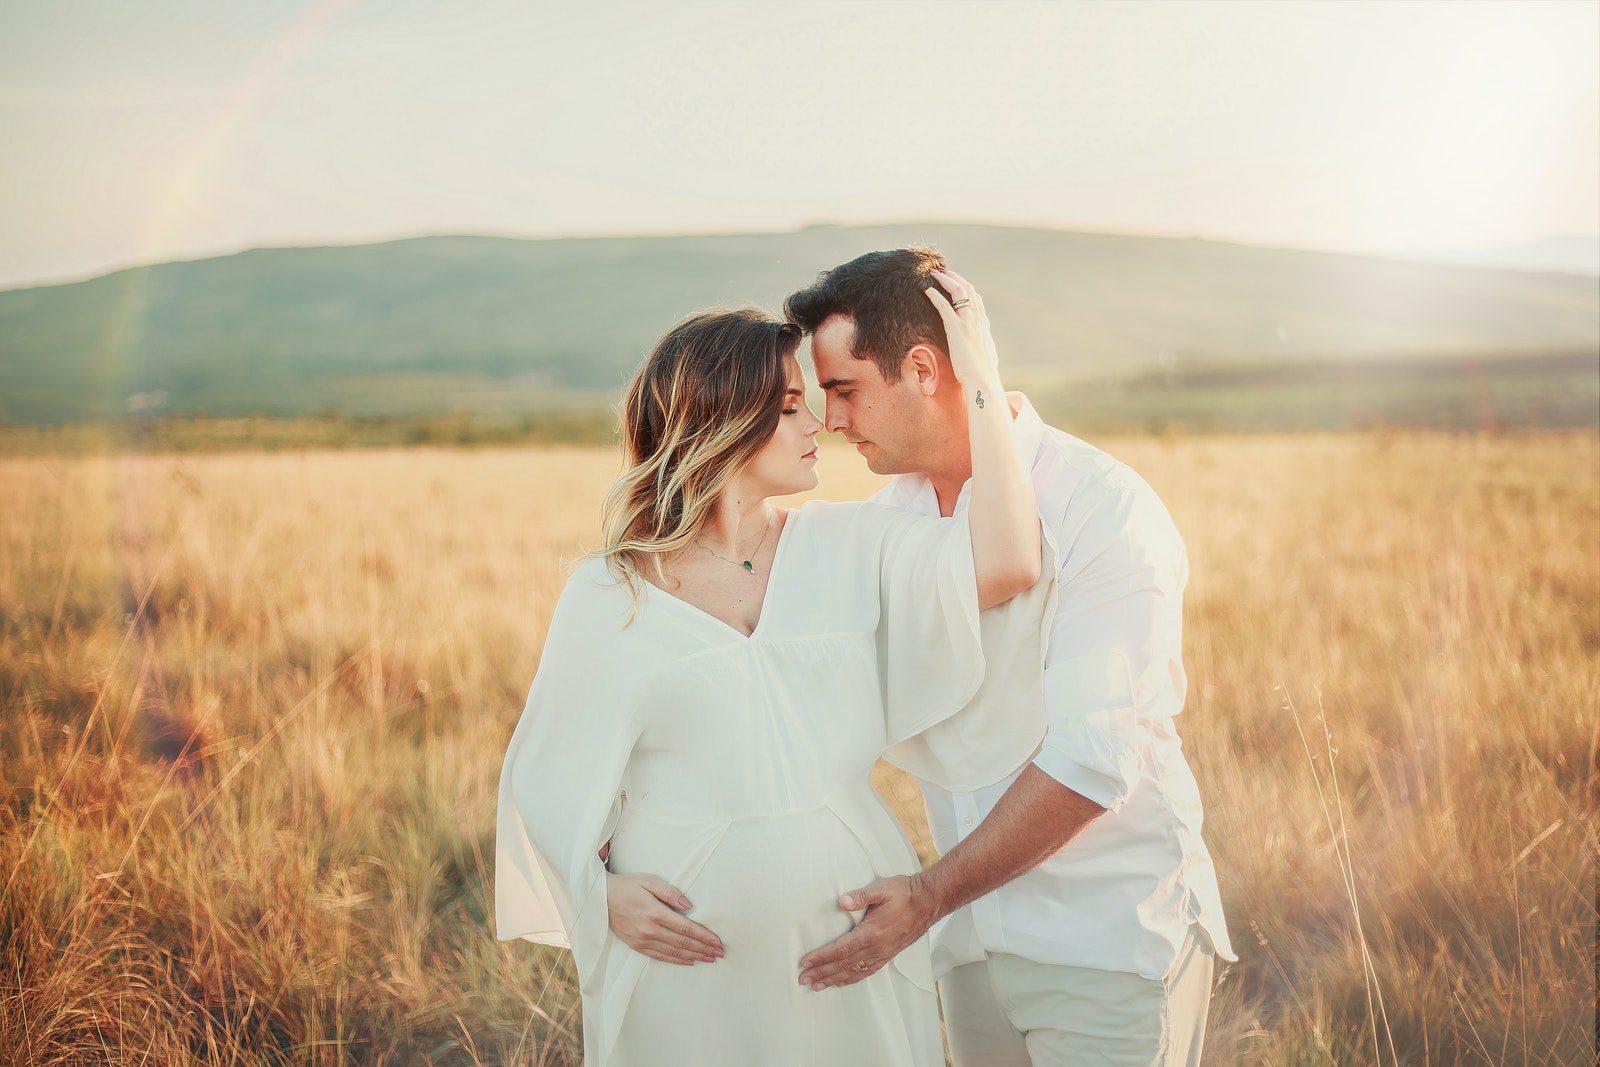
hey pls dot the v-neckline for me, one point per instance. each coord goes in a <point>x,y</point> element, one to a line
<point>766,591</point>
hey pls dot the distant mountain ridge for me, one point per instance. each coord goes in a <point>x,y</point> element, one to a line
<point>1570,253</point>
<point>497,325</point>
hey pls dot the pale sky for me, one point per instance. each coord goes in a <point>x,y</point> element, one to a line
<point>179,128</point>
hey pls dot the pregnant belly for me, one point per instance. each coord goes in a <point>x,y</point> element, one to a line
<point>767,885</point>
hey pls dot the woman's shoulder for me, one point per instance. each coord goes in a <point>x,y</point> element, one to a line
<point>865,519</point>
<point>857,514</point>
<point>594,598</point>
<point>588,577</point>
<point>590,569</point>
<point>833,521</point>
<point>843,529</point>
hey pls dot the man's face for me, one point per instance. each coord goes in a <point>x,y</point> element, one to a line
<point>882,419</point>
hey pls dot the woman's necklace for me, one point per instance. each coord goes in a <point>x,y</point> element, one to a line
<point>746,564</point>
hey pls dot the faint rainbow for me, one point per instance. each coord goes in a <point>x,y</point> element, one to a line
<point>194,168</point>
<point>189,176</point>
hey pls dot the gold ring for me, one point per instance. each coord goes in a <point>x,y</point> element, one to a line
<point>863,966</point>
<point>959,304</point>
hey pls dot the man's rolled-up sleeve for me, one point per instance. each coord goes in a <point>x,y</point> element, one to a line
<point>1114,664</point>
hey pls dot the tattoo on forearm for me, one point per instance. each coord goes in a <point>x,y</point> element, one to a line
<point>980,398</point>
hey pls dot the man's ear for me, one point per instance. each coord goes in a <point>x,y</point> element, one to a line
<point>923,362</point>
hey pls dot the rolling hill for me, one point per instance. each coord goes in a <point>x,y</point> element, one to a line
<point>495,325</point>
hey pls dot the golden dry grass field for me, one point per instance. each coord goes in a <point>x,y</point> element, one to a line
<point>254,710</point>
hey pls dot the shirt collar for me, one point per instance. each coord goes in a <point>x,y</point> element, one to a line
<point>1027,427</point>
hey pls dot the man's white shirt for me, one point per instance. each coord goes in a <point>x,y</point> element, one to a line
<point>1121,895</point>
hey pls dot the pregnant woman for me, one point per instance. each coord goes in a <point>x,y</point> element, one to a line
<point>720,678</point>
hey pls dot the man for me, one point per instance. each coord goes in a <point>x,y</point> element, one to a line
<point>1074,909</point>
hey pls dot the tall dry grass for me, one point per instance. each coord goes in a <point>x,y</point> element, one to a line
<point>255,707</point>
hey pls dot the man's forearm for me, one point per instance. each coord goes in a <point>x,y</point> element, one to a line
<point>1033,821</point>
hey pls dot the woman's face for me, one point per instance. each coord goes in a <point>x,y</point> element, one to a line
<point>788,463</point>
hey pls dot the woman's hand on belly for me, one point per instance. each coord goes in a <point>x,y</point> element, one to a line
<point>642,917</point>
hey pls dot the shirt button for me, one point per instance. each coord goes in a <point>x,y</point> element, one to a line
<point>969,820</point>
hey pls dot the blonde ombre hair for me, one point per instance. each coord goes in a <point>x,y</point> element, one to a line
<point>705,401</point>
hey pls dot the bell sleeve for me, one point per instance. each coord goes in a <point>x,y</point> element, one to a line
<point>962,689</point>
<point>560,783</point>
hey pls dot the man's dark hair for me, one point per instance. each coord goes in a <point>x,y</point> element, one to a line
<point>881,292</point>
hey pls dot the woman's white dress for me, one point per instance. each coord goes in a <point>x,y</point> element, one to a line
<point>738,769</point>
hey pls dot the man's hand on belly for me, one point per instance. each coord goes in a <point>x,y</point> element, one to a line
<point>1033,821</point>
<point>899,910</point>
<point>642,916</point>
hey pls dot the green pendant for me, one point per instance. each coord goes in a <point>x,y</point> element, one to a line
<point>751,567</point>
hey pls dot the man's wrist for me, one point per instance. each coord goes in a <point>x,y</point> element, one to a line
<point>929,895</point>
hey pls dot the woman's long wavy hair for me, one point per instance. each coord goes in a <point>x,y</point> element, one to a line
<point>705,401</point>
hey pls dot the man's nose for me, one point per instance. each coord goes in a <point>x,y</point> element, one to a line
<point>837,423</point>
